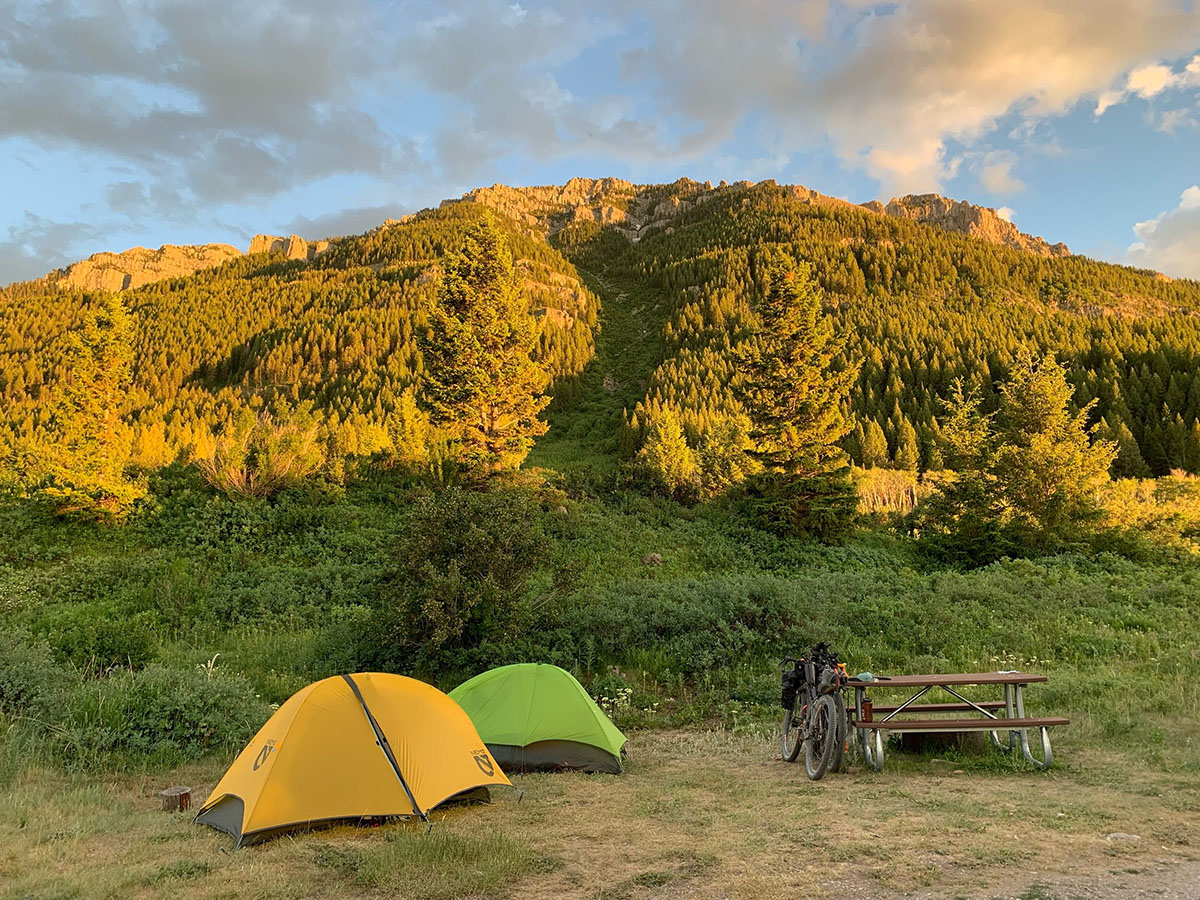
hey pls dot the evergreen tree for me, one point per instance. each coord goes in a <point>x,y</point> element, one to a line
<point>1129,462</point>
<point>1047,466</point>
<point>668,457</point>
<point>1029,481</point>
<point>722,456</point>
<point>480,382</point>
<point>78,465</point>
<point>408,428</point>
<point>794,400</point>
<point>908,452</point>
<point>787,387</point>
<point>961,522</point>
<point>875,448</point>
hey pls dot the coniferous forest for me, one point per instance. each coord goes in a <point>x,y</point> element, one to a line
<point>919,309</point>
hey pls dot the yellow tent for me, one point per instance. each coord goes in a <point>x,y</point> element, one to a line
<point>348,748</point>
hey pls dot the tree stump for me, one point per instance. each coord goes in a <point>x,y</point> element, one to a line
<point>176,799</point>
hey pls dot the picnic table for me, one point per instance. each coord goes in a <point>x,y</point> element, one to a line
<point>873,722</point>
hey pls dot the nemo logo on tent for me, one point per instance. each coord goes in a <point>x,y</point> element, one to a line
<point>263,754</point>
<point>484,762</point>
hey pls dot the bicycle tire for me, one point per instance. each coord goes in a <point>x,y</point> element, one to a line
<point>843,726</point>
<point>792,728</point>
<point>821,737</point>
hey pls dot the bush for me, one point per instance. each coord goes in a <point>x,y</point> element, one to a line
<point>180,713</point>
<point>30,679</point>
<point>822,507</point>
<point>101,637</point>
<point>692,626</point>
<point>259,454</point>
<point>464,563</point>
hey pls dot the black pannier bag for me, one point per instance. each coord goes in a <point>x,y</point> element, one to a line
<point>792,679</point>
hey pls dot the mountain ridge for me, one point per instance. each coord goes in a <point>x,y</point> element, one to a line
<point>634,209</point>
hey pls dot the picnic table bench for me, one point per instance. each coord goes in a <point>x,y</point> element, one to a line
<point>872,723</point>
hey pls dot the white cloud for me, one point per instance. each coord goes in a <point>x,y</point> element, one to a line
<point>1150,81</point>
<point>996,173</point>
<point>1007,213</point>
<point>893,87</point>
<point>1170,242</point>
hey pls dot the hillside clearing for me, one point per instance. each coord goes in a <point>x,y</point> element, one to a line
<point>699,813</point>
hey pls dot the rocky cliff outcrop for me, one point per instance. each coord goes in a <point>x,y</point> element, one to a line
<point>546,208</point>
<point>637,209</point>
<point>139,266</point>
<point>967,218</point>
<point>606,201</point>
<point>293,247</point>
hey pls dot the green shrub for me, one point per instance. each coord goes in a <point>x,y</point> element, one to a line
<point>464,562</point>
<point>30,679</point>
<point>691,626</point>
<point>100,637</point>
<point>177,713</point>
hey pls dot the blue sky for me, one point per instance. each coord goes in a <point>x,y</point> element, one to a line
<point>178,121</point>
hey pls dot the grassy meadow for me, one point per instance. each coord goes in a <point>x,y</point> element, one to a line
<point>171,638</point>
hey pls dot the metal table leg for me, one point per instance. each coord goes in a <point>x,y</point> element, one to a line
<point>1008,713</point>
<point>870,740</point>
<point>1047,759</point>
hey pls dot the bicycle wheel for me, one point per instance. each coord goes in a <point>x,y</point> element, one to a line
<point>793,735</point>
<point>843,726</point>
<point>822,735</point>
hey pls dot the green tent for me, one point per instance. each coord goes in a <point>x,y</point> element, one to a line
<point>536,716</point>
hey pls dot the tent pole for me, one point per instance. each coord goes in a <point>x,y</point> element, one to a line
<point>381,739</point>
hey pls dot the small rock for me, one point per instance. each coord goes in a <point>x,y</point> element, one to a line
<point>1122,836</point>
<point>562,510</point>
<point>652,559</point>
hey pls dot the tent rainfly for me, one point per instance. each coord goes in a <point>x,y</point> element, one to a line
<point>537,716</point>
<point>350,748</point>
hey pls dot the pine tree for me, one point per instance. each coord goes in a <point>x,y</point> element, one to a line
<point>1129,462</point>
<point>794,399</point>
<point>408,429</point>
<point>722,456</point>
<point>78,465</point>
<point>908,452</point>
<point>668,457</point>
<point>1048,467</point>
<point>962,521</point>
<point>480,383</point>
<point>787,387</point>
<point>875,449</point>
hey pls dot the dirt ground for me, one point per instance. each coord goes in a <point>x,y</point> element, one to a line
<point>698,814</point>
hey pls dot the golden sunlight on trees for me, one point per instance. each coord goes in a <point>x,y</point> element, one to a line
<point>78,463</point>
<point>259,453</point>
<point>480,383</point>
<point>1030,476</point>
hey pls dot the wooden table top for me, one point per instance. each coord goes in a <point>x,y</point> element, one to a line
<point>952,679</point>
